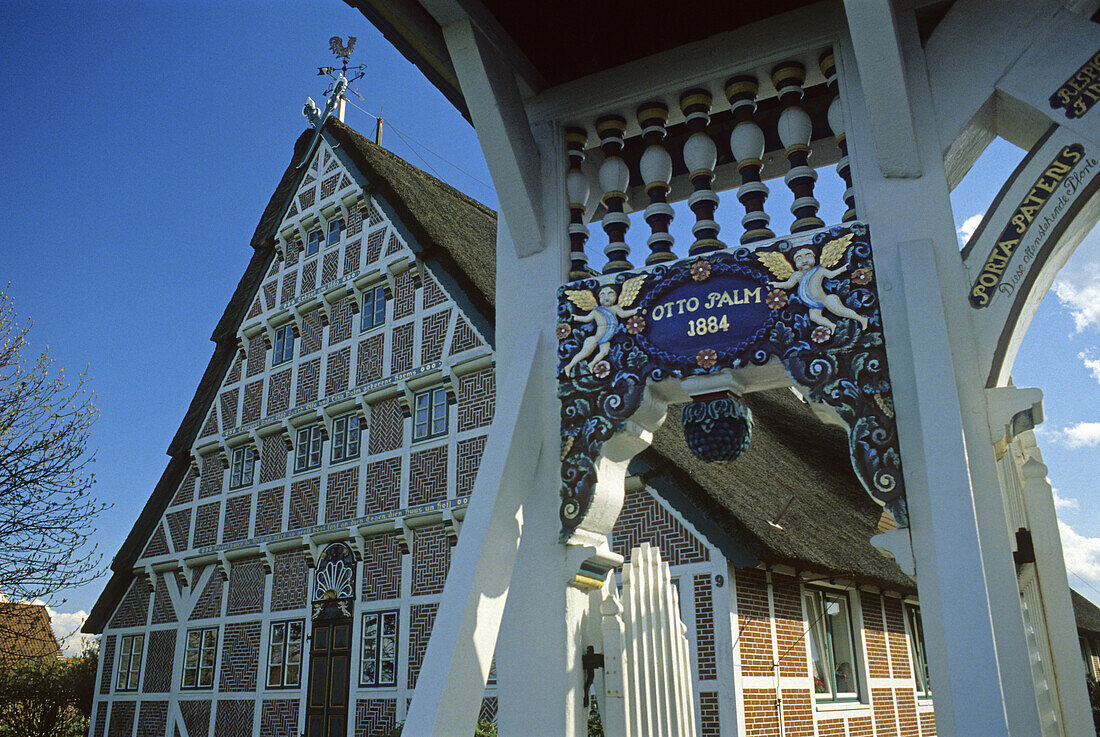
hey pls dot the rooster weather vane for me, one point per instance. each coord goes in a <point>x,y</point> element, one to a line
<point>344,53</point>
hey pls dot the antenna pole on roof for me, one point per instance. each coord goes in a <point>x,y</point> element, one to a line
<point>378,127</point>
<point>343,53</point>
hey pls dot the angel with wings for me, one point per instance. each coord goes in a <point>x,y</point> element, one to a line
<point>808,276</point>
<point>606,314</point>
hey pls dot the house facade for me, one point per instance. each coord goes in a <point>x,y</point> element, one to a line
<point>285,575</point>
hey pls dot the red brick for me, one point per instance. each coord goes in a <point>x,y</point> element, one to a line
<point>431,558</point>
<point>476,399</point>
<point>428,476</point>
<point>383,486</point>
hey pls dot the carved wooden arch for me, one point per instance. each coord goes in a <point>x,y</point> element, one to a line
<point>610,378</point>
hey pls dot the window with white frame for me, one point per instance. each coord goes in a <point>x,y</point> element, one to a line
<point>284,344</point>
<point>430,413</point>
<point>345,438</point>
<point>379,656</point>
<point>313,242</point>
<point>374,308</point>
<point>334,230</point>
<point>833,648</point>
<point>198,658</point>
<point>916,645</point>
<point>241,470</point>
<point>129,662</point>
<point>307,451</point>
<point>284,654</point>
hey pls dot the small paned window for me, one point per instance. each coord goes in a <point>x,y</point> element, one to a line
<point>916,644</point>
<point>345,438</point>
<point>334,230</point>
<point>307,451</point>
<point>832,645</point>
<point>379,657</point>
<point>244,463</point>
<point>374,308</point>
<point>284,345</point>
<point>198,658</point>
<point>313,242</point>
<point>284,654</point>
<point>129,662</point>
<point>430,418</point>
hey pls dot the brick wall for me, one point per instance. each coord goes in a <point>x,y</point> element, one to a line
<point>860,727</point>
<point>270,291</point>
<point>159,659</point>
<point>428,476</point>
<point>107,669</point>
<point>710,724</point>
<point>186,492</point>
<point>798,713</point>
<point>469,453</point>
<point>392,244</point>
<point>152,718</point>
<point>210,427</point>
<point>209,604</point>
<point>328,186</point>
<point>404,295</point>
<point>273,459</point>
<point>309,377</point>
<point>753,623</point>
<point>238,511</point>
<point>196,717</point>
<point>269,511</point>
<point>369,360</point>
<point>279,718</point>
<point>422,617</point>
<point>433,334</point>
<point>246,587</point>
<point>789,628</point>
<point>882,704</point>
<point>433,295</point>
<point>874,637</point>
<point>290,284</point>
<point>431,553</point>
<point>234,718</point>
<point>210,477</point>
<point>341,322</point>
<point>830,728</point>
<point>134,608</point>
<point>240,658</point>
<point>99,728</point>
<point>383,486</point>
<point>290,581</point>
<point>353,251</point>
<point>206,524</point>
<point>464,337</point>
<point>927,724</point>
<point>331,267</point>
<point>179,527</point>
<point>158,543</point>
<point>401,353</point>
<point>311,333</point>
<point>253,398</point>
<point>907,712</point>
<point>375,716</point>
<point>257,357</point>
<point>374,241</point>
<point>476,399</point>
<point>122,719</point>
<point>386,424</point>
<point>381,568</point>
<point>643,519</point>
<point>229,408</point>
<point>704,627</point>
<point>761,716</point>
<point>309,275</point>
<point>895,636</point>
<point>342,493</point>
<point>163,611</point>
<point>336,376</point>
<point>303,503</point>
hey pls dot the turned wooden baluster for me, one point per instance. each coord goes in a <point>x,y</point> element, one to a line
<point>700,157</point>
<point>795,131</point>
<point>614,181</point>
<point>747,145</point>
<point>576,185</point>
<point>656,170</point>
<point>836,123</point>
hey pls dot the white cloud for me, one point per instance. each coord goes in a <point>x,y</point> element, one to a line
<point>1062,502</point>
<point>1092,363</point>
<point>66,628</point>
<point>1078,284</point>
<point>1082,556</point>
<point>969,226</point>
<point>1082,435</point>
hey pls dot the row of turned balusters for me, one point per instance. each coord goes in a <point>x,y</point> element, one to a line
<point>700,157</point>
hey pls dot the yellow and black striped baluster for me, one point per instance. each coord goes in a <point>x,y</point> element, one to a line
<point>700,157</point>
<point>795,131</point>
<point>747,146</point>
<point>614,181</point>
<point>656,170</point>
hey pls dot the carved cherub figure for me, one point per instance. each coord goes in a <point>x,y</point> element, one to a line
<point>612,307</point>
<point>808,276</point>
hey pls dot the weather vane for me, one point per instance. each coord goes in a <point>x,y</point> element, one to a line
<point>343,53</point>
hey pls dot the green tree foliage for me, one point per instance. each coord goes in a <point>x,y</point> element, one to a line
<point>47,697</point>
<point>47,511</point>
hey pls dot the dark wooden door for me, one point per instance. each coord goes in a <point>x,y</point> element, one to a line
<point>329,671</point>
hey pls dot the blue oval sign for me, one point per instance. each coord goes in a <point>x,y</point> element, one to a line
<point>721,313</point>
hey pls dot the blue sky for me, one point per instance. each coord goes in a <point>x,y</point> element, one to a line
<point>144,140</point>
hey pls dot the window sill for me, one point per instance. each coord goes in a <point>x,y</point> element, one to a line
<point>343,461</point>
<point>840,705</point>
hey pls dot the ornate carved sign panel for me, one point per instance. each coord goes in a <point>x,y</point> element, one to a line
<point>810,302</point>
<point>1080,92</point>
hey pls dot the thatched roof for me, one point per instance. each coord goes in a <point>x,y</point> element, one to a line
<point>1085,613</point>
<point>25,633</point>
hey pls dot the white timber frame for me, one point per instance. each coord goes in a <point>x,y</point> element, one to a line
<point>911,137</point>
